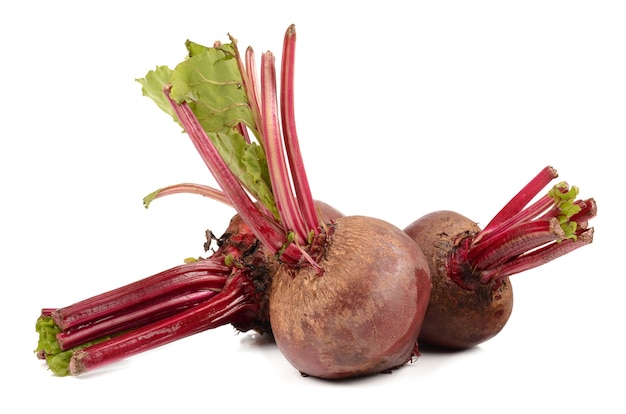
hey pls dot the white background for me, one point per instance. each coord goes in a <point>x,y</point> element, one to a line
<point>402,108</point>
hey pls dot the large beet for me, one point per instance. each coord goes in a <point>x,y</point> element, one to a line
<point>364,313</point>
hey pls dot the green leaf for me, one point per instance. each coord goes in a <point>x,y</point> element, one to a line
<point>194,48</point>
<point>47,330</point>
<point>152,87</point>
<point>58,361</point>
<point>565,198</point>
<point>247,161</point>
<point>147,200</point>
<point>210,82</point>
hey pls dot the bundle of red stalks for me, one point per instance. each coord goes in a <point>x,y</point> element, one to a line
<point>338,302</point>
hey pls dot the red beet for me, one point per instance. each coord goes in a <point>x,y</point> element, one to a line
<point>364,313</point>
<point>457,317</point>
<point>472,297</point>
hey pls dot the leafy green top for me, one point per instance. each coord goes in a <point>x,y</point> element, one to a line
<point>565,200</point>
<point>57,360</point>
<point>209,80</point>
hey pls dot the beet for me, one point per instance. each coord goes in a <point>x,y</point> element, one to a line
<point>472,298</point>
<point>363,315</point>
<point>457,317</point>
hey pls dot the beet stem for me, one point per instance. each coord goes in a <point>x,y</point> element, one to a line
<point>515,241</point>
<point>286,203</point>
<point>206,273</point>
<point>251,85</point>
<point>161,308</point>
<point>537,257</point>
<point>522,237</point>
<point>188,188</point>
<point>266,230</point>
<point>522,198</point>
<point>296,163</point>
<point>525,215</point>
<point>225,307</point>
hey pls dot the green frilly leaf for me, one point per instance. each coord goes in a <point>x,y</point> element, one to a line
<point>152,87</point>
<point>247,161</point>
<point>210,82</point>
<point>58,361</point>
<point>47,330</point>
<point>564,198</point>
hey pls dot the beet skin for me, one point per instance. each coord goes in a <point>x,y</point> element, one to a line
<point>363,314</point>
<point>458,316</point>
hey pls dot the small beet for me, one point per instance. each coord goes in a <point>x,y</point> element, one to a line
<point>472,298</point>
<point>457,317</point>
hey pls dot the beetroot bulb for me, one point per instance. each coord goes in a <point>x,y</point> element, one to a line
<point>472,298</point>
<point>357,318</point>
<point>360,300</point>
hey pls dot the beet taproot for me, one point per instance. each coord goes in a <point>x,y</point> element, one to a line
<point>364,313</point>
<point>457,317</point>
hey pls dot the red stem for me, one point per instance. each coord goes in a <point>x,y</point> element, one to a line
<point>265,229</point>
<point>206,274</point>
<point>588,210</point>
<point>248,76</point>
<point>279,171</point>
<point>517,240</point>
<point>229,306</point>
<point>537,257</point>
<point>527,214</point>
<point>161,308</point>
<point>296,163</point>
<point>522,237</point>
<point>250,83</point>
<point>189,188</point>
<point>521,199</point>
